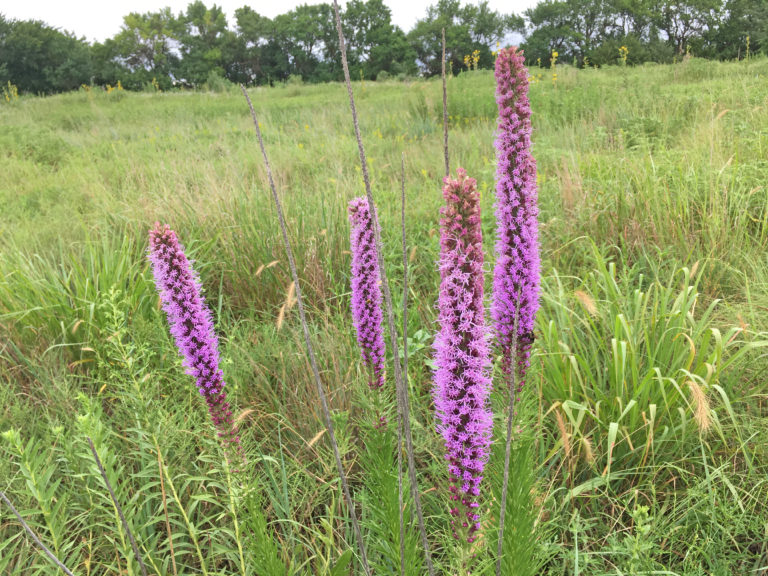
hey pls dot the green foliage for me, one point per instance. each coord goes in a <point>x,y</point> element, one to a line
<point>261,544</point>
<point>374,44</point>
<point>141,51</point>
<point>203,35</point>
<point>634,368</point>
<point>522,549</point>
<point>634,191</point>
<point>37,470</point>
<point>188,49</point>
<point>652,31</point>
<point>379,502</point>
<point>467,28</point>
<point>307,35</point>
<point>41,59</point>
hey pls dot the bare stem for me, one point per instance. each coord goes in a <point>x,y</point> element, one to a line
<point>117,507</point>
<point>402,391</point>
<point>405,372</point>
<point>508,447</point>
<point>308,342</point>
<point>34,537</point>
<point>445,114</point>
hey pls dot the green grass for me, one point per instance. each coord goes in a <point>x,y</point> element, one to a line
<point>644,411</point>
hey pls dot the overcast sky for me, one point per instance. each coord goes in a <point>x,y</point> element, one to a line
<point>101,19</point>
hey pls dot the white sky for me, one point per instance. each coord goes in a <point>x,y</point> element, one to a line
<point>101,19</point>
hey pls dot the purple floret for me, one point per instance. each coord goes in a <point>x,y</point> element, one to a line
<point>191,326</point>
<point>516,275</point>
<point>462,356</point>
<point>366,291</point>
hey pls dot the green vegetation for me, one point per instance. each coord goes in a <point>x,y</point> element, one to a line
<point>196,47</point>
<point>642,433</point>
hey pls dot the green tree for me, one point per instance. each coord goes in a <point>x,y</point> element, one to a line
<point>255,56</point>
<point>5,28</point>
<point>374,44</point>
<point>41,59</point>
<point>550,30</point>
<point>589,21</point>
<point>630,24</point>
<point>204,40</point>
<point>685,20</point>
<point>307,35</point>
<point>630,17</point>
<point>467,28</point>
<point>739,19</point>
<point>143,49</point>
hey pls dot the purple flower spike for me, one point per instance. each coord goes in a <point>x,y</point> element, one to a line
<point>462,356</point>
<point>192,329</point>
<point>516,275</point>
<point>366,291</point>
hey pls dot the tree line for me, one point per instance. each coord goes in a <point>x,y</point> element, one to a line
<point>197,45</point>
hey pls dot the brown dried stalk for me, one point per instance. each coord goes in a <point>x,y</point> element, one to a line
<point>445,114</point>
<point>308,342</point>
<point>117,507</point>
<point>402,392</point>
<point>34,537</point>
<point>405,372</point>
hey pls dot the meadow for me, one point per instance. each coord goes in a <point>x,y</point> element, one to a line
<point>640,444</point>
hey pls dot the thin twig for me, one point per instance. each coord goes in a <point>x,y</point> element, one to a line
<point>308,342</point>
<point>405,373</point>
<point>165,508</point>
<point>34,537</point>
<point>508,448</point>
<point>445,114</point>
<point>117,507</point>
<point>401,389</point>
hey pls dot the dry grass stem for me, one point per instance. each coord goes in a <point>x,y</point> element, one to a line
<point>701,407</point>
<point>34,537</point>
<point>445,114</point>
<point>587,301</point>
<point>563,435</point>
<point>512,384</point>
<point>118,508</point>
<point>402,391</point>
<point>308,342</point>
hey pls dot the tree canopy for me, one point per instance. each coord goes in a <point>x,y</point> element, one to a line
<point>199,45</point>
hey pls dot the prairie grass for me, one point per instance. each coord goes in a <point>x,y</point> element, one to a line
<point>645,412</point>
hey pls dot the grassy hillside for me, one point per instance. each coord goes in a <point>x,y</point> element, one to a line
<point>642,438</point>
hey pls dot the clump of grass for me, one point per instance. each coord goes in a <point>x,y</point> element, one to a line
<point>632,365</point>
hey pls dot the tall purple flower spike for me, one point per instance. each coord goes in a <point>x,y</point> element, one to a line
<point>462,356</point>
<point>192,329</point>
<point>516,275</point>
<point>366,291</point>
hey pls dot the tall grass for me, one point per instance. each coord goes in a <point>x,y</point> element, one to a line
<point>647,429</point>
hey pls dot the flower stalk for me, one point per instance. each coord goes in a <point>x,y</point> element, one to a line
<point>191,326</point>
<point>462,356</point>
<point>516,274</point>
<point>366,292</point>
